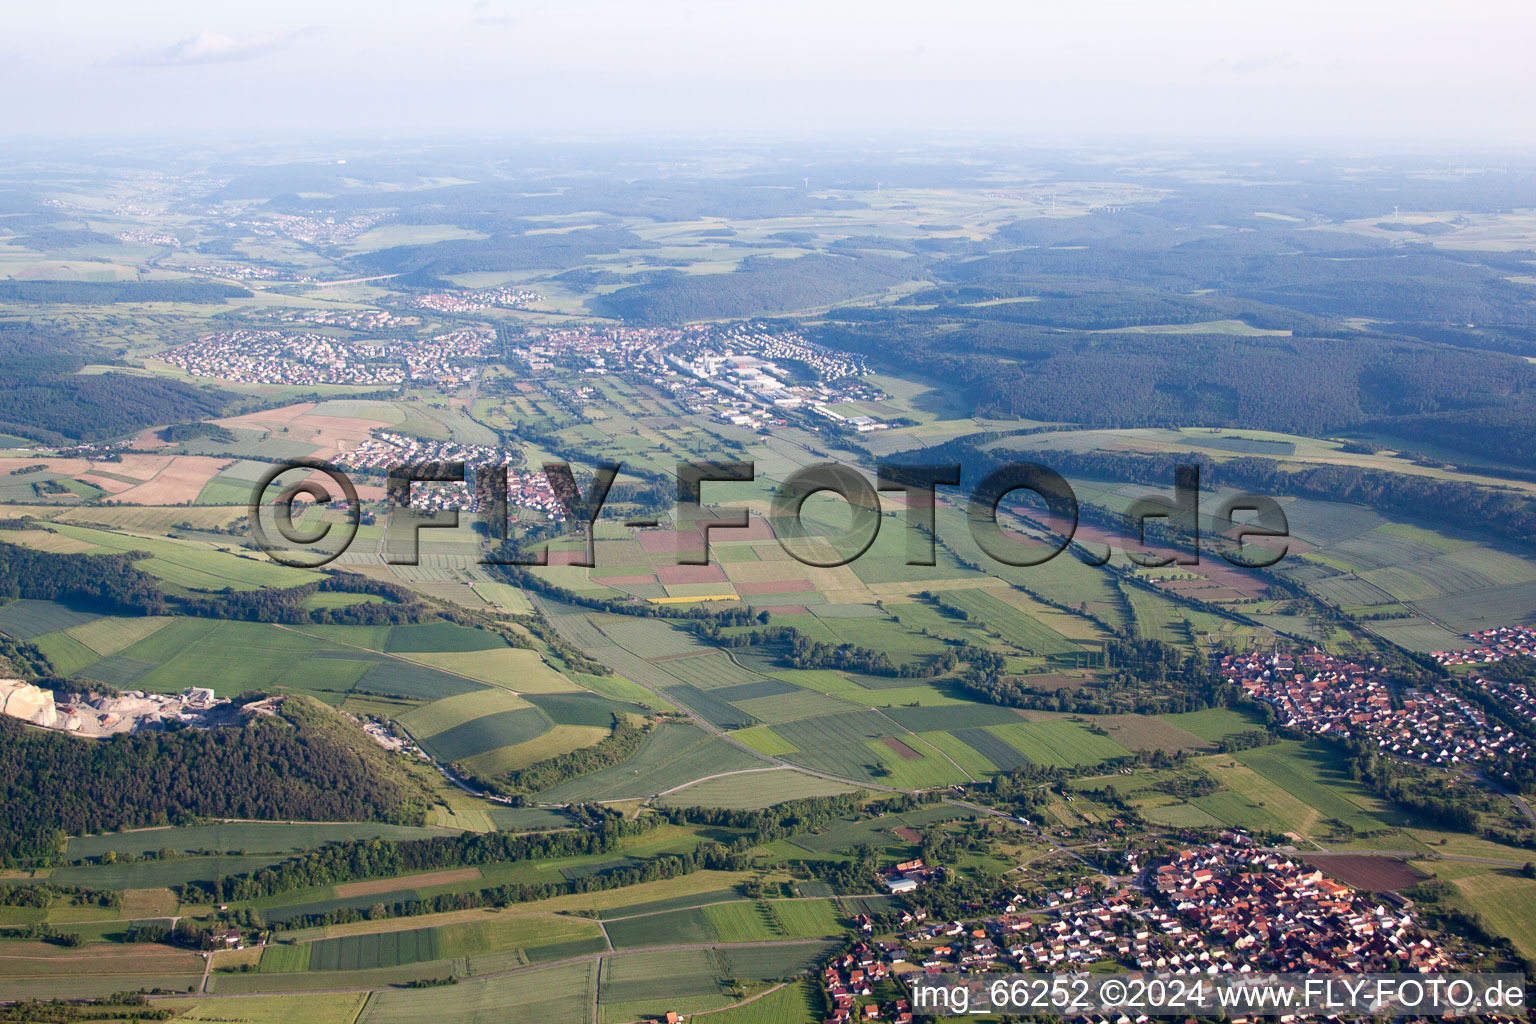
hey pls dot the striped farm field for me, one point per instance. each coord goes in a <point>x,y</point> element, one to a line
<point>561,993</point>
<point>507,932</point>
<point>1013,625</point>
<point>152,518</point>
<point>778,961</point>
<point>159,874</point>
<point>763,740</point>
<point>968,757</point>
<point>807,919</point>
<point>139,904</point>
<point>45,540</point>
<point>795,1003</point>
<point>559,740</point>
<point>511,668</point>
<point>720,713</point>
<point>1157,617</point>
<point>487,733</point>
<point>658,976</point>
<point>187,564</point>
<point>440,637</point>
<point>312,1008</point>
<point>928,769</point>
<point>1505,899</point>
<point>1499,567</point>
<point>67,655</point>
<point>621,689</point>
<point>650,638</point>
<point>789,707</point>
<point>924,695</point>
<point>836,743</point>
<point>363,952</point>
<point>441,715</point>
<point>1213,724</point>
<point>504,596</point>
<point>709,671</point>
<point>685,901</point>
<point>745,921</point>
<point>113,633</point>
<point>250,836</point>
<point>1148,732</point>
<point>375,886</point>
<point>1299,769</point>
<point>284,958</point>
<point>26,619</point>
<point>1060,742</point>
<point>754,789</point>
<point>992,747</point>
<point>669,756</point>
<point>682,925</point>
<point>417,682</point>
<point>951,717</point>
<point>231,654</point>
<point>582,708</point>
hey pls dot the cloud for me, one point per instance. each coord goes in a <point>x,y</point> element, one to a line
<point>210,47</point>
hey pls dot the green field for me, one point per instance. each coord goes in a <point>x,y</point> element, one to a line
<point>796,1003</point>
<point>194,566</point>
<point>66,654</point>
<point>976,751</point>
<point>804,919</point>
<point>440,715</point>
<point>1291,786</point>
<point>249,837</point>
<point>440,637</point>
<point>686,925</point>
<point>482,735</point>
<point>1058,741</point>
<point>563,993</point>
<point>836,743</point>
<point>1011,624</point>
<point>504,933</point>
<point>313,1008</point>
<point>159,874</point>
<point>379,949</point>
<point>743,922</point>
<point>1503,897</point>
<point>27,620</point>
<point>1214,724</point>
<point>763,740</point>
<point>754,789</point>
<point>285,958</point>
<point>659,976</point>
<point>169,654</point>
<point>669,756</point>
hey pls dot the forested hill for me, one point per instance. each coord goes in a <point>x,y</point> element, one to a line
<point>46,397</point>
<point>1475,400</point>
<point>309,763</point>
<point>760,285</point>
<point>1507,514</point>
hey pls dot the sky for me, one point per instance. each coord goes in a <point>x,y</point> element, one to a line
<point>1409,71</point>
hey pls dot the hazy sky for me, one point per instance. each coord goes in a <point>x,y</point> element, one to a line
<point>1429,73</point>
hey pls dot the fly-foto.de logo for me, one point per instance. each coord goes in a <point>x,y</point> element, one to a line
<point>1246,530</point>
